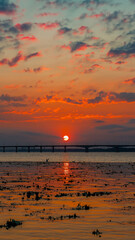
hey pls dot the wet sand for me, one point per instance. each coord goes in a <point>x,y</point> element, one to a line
<point>68,200</point>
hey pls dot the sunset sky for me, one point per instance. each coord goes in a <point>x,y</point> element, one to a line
<point>67,67</point>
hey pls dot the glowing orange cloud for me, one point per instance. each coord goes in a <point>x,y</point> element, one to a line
<point>47,26</point>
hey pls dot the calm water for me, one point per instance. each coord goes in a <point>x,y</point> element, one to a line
<point>68,157</point>
<point>45,197</point>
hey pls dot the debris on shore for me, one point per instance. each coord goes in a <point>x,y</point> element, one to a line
<point>11,223</point>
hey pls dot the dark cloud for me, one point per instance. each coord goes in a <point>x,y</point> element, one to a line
<point>9,32</point>
<point>69,100</point>
<point>119,21</point>
<point>120,62</point>
<point>59,3</point>
<point>24,27</point>
<point>13,61</point>
<point>93,68</point>
<point>35,70</point>
<point>64,30</point>
<point>126,50</point>
<point>100,98</point>
<point>112,97</point>
<point>116,127</point>
<point>36,54</point>
<point>130,81</point>
<point>78,46</point>
<point>121,97</point>
<point>8,98</point>
<point>99,121</point>
<point>5,24</point>
<point>113,16</point>
<point>13,137</point>
<point>19,57</point>
<point>132,1</point>
<point>7,8</point>
<point>83,16</point>
<point>89,3</point>
<point>88,91</point>
<point>18,28</point>
<point>17,104</point>
<point>95,100</point>
<point>132,121</point>
<point>131,32</point>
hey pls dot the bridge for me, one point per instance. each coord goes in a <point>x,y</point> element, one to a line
<point>66,147</point>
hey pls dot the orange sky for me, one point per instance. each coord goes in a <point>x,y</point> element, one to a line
<point>67,67</point>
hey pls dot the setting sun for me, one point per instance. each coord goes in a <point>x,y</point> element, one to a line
<point>65,138</point>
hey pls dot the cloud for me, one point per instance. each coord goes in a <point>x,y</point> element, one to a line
<point>48,26</point>
<point>121,97</point>
<point>81,30</point>
<point>132,1</point>
<point>78,46</point>
<point>93,68</point>
<point>69,100</point>
<point>52,98</point>
<point>20,28</point>
<point>96,16</point>
<point>112,97</point>
<point>64,30</point>
<point>24,27</point>
<point>7,8</point>
<point>88,91</point>
<point>132,121</point>
<point>99,15</point>
<point>99,121</point>
<point>13,62</point>
<point>120,62</point>
<point>8,98</point>
<point>7,26</point>
<point>15,137</point>
<point>36,70</point>
<point>35,54</point>
<point>75,46</point>
<point>29,38</point>
<point>88,3</point>
<point>130,81</point>
<point>100,98</point>
<point>59,3</point>
<point>19,57</point>
<point>116,127</point>
<point>126,50</point>
<point>12,86</point>
<point>47,14</point>
<point>113,16</point>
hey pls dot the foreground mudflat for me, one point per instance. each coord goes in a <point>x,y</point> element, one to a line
<point>68,200</point>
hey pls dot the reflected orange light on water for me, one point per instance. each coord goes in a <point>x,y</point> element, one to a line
<point>66,168</point>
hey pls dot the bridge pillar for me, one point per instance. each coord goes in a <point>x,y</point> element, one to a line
<point>3,148</point>
<point>28,148</point>
<point>65,148</point>
<point>116,148</point>
<point>86,149</point>
<point>16,149</point>
<point>52,148</point>
<point>40,148</point>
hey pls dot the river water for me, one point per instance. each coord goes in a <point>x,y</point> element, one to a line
<point>68,156</point>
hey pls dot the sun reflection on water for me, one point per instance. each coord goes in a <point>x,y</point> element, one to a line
<point>66,168</point>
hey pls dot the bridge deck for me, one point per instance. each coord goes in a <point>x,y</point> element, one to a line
<point>66,147</point>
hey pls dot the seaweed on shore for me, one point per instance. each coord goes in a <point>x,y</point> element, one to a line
<point>11,223</point>
<point>97,233</point>
<point>82,207</point>
<point>74,216</point>
<point>97,194</point>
